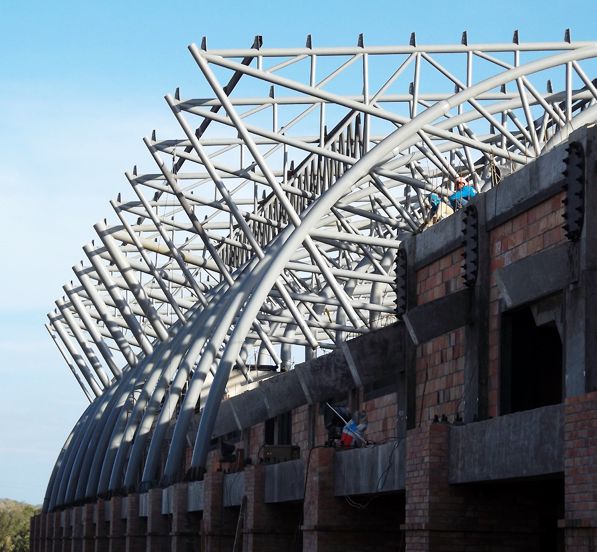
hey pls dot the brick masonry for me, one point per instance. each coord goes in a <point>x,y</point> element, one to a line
<point>534,230</point>
<point>440,377</point>
<point>442,517</point>
<point>440,278</point>
<point>382,417</point>
<point>580,470</point>
<point>558,513</point>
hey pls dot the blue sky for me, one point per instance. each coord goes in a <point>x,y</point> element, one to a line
<point>80,84</point>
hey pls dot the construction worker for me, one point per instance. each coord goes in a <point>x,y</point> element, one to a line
<point>436,210</point>
<point>464,192</point>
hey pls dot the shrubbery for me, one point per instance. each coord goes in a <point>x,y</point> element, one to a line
<point>14,525</point>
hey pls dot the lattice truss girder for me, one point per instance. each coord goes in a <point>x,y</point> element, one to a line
<point>269,229</point>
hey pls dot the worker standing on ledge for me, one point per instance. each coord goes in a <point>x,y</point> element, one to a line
<point>438,209</point>
<point>463,194</point>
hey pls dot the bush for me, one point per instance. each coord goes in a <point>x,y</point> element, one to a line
<point>14,525</point>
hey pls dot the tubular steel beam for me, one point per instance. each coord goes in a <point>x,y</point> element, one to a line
<point>281,232</point>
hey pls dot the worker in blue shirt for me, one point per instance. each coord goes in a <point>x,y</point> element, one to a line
<point>464,192</point>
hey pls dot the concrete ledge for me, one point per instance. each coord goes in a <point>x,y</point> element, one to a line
<point>375,351</point>
<point>195,496</point>
<point>528,186</point>
<point>326,377</point>
<point>524,444</point>
<point>424,322</point>
<point>438,240</point>
<point>285,482</point>
<point>167,499</point>
<point>519,191</point>
<point>234,488</point>
<point>321,379</point>
<point>370,470</point>
<point>281,392</point>
<point>538,275</point>
<point>143,504</point>
<point>227,420</point>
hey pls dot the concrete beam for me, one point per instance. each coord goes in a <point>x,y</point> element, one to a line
<point>285,482</point>
<point>437,241</point>
<point>529,186</point>
<point>370,470</point>
<point>538,275</point>
<point>424,322</point>
<point>523,444</point>
<point>320,379</point>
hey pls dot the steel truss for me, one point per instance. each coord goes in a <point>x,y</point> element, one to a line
<point>269,230</point>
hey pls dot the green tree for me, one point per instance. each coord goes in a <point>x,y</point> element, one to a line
<point>14,525</point>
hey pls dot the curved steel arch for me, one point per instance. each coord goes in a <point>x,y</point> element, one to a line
<point>196,279</point>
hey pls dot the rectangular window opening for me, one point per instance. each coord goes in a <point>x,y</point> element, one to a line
<point>278,430</point>
<point>532,356</point>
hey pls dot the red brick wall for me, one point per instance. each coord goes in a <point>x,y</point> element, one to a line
<point>448,518</point>
<point>330,524</point>
<point>440,377</point>
<point>440,277</point>
<point>256,440</point>
<point>440,361</point>
<point>300,428</point>
<point>580,454</point>
<point>534,230</point>
<point>382,417</point>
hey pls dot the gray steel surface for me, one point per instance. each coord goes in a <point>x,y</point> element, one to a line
<point>268,234</point>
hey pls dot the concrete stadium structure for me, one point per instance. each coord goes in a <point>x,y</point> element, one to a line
<point>285,263</point>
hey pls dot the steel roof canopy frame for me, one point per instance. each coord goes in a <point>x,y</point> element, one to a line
<point>279,240</point>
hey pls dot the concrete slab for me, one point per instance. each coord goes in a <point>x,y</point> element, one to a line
<point>370,470</point>
<point>234,489</point>
<point>195,496</point>
<point>285,482</point>
<point>523,444</point>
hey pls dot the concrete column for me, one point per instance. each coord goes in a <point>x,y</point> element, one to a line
<point>186,530</point>
<point>219,523</point>
<point>102,527</point>
<point>158,525</point>
<point>266,527</point>
<point>50,528</point>
<point>40,532</point>
<point>88,528</point>
<point>476,365</point>
<point>580,472</point>
<point>44,532</point>
<point>34,533</point>
<point>45,545</point>
<point>136,526</point>
<point>422,443</point>
<point>57,532</point>
<point>44,535</point>
<point>331,524</point>
<point>77,529</point>
<point>408,395</point>
<point>67,530</point>
<point>116,531</point>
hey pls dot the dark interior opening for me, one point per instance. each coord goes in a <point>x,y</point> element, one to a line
<point>278,430</point>
<point>531,358</point>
